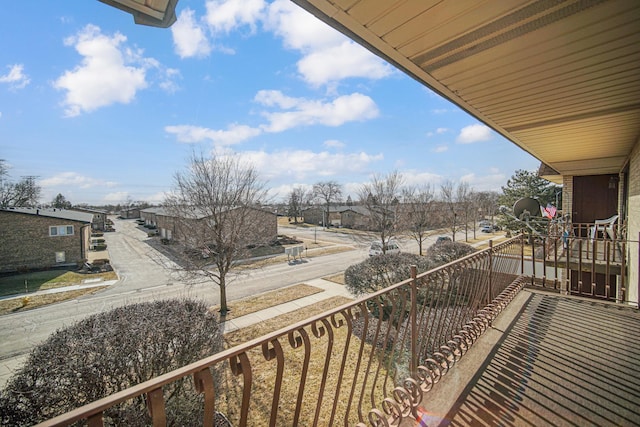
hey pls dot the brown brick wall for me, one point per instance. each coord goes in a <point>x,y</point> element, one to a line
<point>25,241</point>
<point>567,195</point>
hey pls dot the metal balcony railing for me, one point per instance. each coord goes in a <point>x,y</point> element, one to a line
<point>574,262</point>
<point>367,362</point>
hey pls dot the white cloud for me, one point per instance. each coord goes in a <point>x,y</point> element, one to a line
<point>189,38</point>
<point>105,75</point>
<point>15,78</point>
<point>299,29</point>
<point>354,107</point>
<point>493,181</point>
<point>305,164</point>
<point>415,178</point>
<point>76,180</point>
<point>334,143</point>
<point>343,61</point>
<point>167,81</point>
<point>225,16</point>
<point>474,133</point>
<point>117,197</point>
<point>281,193</point>
<point>347,108</point>
<point>234,134</point>
<point>440,148</point>
<point>438,131</point>
<point>157,198</point>
<point>329,56</point>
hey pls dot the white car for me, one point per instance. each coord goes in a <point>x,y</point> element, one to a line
<point>390,248</point>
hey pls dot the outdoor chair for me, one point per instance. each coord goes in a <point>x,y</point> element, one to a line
<point>604,226</point>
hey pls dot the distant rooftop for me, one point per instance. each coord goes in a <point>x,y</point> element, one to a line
<point>54,213</point>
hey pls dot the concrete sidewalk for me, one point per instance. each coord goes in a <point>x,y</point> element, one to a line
<point>330,289</point>
<point>90,283</point>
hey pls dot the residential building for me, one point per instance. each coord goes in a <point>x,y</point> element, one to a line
<point>262,225</point>
<point>356,216</point>
<point>130,213</point>
<point>99,221</point>
<point>150,215</point>
<point>35,238</point>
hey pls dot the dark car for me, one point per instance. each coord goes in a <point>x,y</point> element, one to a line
<point>442,239</point>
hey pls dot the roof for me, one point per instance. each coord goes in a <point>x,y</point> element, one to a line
<point>155,13</point>
<point>91,210</point>
<point>558,78</point>
<point>195,213</point>
<point>159,210</point>
<point>54,213</point>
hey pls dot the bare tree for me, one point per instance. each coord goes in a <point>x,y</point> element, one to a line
<point>418,212</point>
<point>328,192</point>
<point>214,206</point>
<point>24,193</point>
<point>458,201</point>
<point>464,199</point>
<point>487,203</point>
<point>381,197</point>
<point>297,199</point>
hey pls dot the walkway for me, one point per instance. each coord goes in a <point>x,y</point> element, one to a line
<point>330,289</point>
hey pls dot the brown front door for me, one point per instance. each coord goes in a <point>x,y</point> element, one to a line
<point>594,197</point>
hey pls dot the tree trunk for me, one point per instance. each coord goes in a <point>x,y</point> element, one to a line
<point>223,295</point>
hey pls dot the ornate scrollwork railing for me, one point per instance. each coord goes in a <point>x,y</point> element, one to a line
<point>368,362</point>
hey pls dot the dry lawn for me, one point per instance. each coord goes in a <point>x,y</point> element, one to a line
<point>325,391</point>
<point>34,301</point>
<point>329,250</point>
<point>268,299</point>
<point>336,278</point>
<point>71,278</point>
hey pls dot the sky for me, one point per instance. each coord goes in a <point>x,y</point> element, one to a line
<point>103,110</point>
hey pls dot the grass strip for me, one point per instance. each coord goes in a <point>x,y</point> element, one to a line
<point>336,278</point>
<point>283,258</point>
<point>268,299</point>
<point>48,279</point>
<point>34,301</point>
<point>259,329</point>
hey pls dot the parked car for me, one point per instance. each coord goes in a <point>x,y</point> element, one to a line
<point>390,248</point>
<point>489,228</point>
<point>442,239</point>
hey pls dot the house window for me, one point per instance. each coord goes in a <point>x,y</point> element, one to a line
<point>61,230</point>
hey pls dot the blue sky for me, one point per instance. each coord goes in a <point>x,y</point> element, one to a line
<point>102,110</point>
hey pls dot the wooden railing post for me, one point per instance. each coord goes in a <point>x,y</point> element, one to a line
<point>414,320</point>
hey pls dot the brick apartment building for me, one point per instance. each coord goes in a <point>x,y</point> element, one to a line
<point>33,238</point>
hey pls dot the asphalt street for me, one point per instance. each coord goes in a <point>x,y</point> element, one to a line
<point>146,274</point>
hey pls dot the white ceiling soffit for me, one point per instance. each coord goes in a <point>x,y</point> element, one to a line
<point>155,13</point>
<point>561,79</point>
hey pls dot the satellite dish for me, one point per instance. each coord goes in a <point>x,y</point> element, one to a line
<point>526,208</point>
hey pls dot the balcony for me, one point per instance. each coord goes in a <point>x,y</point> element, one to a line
<point>430,350</point>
